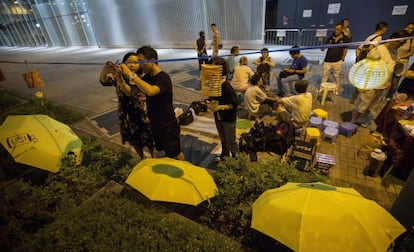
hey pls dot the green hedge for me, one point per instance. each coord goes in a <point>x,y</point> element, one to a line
<point>113,223</point>
<point>240,183</point>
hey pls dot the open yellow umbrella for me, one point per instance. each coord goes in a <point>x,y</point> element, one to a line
<point>320,217</point>
<point>171,180</point>
<point>39,141</point>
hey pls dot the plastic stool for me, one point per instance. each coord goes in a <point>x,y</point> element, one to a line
<point>330,132</point>
<point>328,123</point>
<point>315,122</point>
<point>348,129</point>
<point>313,133</point>
<point>325,88</point>
<point>320,113</point>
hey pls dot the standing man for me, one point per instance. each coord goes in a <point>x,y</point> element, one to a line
<point>200,45</point>
<point>216,43</point>
<point>380,29</point>
<point>369,100</point>
<point>156,84</point>
<point>362,51</point>
<point>345,28</point>
<point>335,56</point>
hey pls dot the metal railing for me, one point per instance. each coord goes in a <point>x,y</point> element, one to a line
<point>300,37</point>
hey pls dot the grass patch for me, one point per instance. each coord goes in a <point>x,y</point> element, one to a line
<point>8,102</point>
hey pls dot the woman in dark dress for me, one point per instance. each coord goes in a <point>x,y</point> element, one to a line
<point>134,123</point>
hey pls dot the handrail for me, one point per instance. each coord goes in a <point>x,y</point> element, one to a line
<point>295,36</point>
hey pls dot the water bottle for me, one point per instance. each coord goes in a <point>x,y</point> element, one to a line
<point>408,112</point>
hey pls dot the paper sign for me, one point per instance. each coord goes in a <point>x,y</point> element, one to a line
<point>399,10</point>
<point>307,13</point>
<point>334,8</point>
<point>281,33</point>
<point>321,32</point>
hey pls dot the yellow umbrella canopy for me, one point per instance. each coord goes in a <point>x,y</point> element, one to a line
<point>321,217</point>
<point>171,180</point>
<point>40,141</point>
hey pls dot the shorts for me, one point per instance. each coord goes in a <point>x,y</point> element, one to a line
<point>167,138</point>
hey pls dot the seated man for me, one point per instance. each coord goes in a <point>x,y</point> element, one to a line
<point>231,62</point>
<point>299,106</point>
<point>242,74</point>
<point>255,98</point>
<point>295,72</point>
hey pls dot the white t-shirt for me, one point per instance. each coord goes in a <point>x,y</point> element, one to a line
<point>299,106</point>
<point>241,77</point>
<point>253,97</point>
<point>372,38</point>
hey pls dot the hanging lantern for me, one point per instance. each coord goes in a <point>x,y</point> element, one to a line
<point>369,73</point>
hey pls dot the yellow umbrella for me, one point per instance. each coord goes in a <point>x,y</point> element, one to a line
<point>39,141</point>
<point>320,217</point>
<point>171,180</point>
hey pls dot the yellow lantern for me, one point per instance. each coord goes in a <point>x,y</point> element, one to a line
<point>369,73</point>
<point>211,79</point>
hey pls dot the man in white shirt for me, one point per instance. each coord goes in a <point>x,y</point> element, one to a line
<point>368,100</point>
<point>254,98</point>
<point>299,106</point>
<point>380,29</point>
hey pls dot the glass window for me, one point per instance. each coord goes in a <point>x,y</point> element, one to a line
<point>46,22</point>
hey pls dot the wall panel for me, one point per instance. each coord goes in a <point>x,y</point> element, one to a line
<point>176,23</point>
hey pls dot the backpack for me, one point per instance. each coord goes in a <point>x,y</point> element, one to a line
<point>199,106</point>
<point>186,118</point>
<point>362,53</point>
<point>270,138</point>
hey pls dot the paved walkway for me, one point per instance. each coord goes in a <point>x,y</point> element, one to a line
<point>76,86</point>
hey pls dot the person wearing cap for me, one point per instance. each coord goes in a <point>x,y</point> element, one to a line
<point>264,65</point>
<point>200,45</point>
